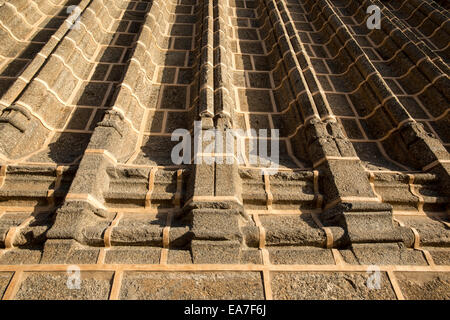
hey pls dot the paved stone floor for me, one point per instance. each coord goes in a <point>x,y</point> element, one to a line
<point>93,207</point>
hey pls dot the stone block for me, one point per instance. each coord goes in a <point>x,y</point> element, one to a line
<point>192,285</point>
<point>53,286</point>
<point>328,285</point>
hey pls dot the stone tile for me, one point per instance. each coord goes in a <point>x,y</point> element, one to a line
<point>5,277</point>
<point>255,100</point>
<point>328,285</point>
<point>18,256</point>
<point>173,97</point>
<point>133,255</point>
<point>300,255</point>
<point>53,286</point>
<point>259,80</point>
<point>441,256</point>
<point>192,285</point>
<point>80,118</point>
<point>424,285</point>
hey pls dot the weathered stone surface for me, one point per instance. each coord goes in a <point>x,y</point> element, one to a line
<point>325,285</point>
<point>133,255</point>
<point>204,251</point>
<point>139,230</point>
<point>179,257</point>
<point>433,232</point>
<point>225,224</point>
<point>425,286</point>
<point>68,251</point>
<point>5,277</point>
<point>292,230</point>
<point>21,256</point>
<point>441,256</point>
<point>300,255</point>
<point>189,285</point>
<point>53,286</point>
<point>377,254</point>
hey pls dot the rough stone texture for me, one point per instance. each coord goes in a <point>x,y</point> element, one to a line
<point>425,286</point>
<point>66,251</point>
<point>440,256</point>
<point>51,286</point>
<point>433,232</point>
<point>321,285</point>
<point>376,254</point>
<point>179,257</point>
<point>86,168</point>
<point>5,277</point>
<point>215,251</point>
<point>294,230</point>
<point>187,285</point>
<point>139,255</point>
<point>21,256</point>
<point>300,255</point>
<point>138,230</point>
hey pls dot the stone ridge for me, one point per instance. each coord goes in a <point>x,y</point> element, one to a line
<point>91,91</point>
